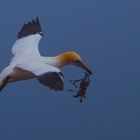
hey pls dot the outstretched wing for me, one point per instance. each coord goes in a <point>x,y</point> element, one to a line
<point>28,39</point>
<point>32,27</point>
<point>47,75</point>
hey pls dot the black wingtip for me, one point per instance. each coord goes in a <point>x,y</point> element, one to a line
<point>37,18</point>
<point>32,27</point>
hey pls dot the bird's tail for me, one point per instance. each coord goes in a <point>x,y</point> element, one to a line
<point>4,78</point>
<point>4,83</point>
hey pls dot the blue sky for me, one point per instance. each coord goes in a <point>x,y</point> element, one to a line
<point>106,34</point>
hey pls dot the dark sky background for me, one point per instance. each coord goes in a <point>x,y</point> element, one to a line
<point>106,33</point>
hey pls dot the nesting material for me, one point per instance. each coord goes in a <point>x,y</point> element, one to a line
<point>82,86</point>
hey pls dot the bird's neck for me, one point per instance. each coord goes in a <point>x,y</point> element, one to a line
<point>54,61</point>
<point>60,60</point>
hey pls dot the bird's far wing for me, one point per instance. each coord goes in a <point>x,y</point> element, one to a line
<point>28,39</point>
<point>47,75</point>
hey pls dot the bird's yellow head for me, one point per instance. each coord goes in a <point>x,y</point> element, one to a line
<point>74,59</point>
<point>69,57</point>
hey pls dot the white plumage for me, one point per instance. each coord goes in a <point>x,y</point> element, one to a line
<point>26,47</point>
<point>27,62</point>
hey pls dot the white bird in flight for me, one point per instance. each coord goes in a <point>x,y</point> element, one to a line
<point>27,62</point>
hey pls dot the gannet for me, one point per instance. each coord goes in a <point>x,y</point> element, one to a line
<point>27,62</point>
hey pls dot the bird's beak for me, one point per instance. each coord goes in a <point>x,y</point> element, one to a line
<point>84,66</point>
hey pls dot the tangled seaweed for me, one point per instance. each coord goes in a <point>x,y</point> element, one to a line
<point>82,85</point>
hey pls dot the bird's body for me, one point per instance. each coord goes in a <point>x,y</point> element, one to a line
<point>27,62</point>
<point>17,74</point>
